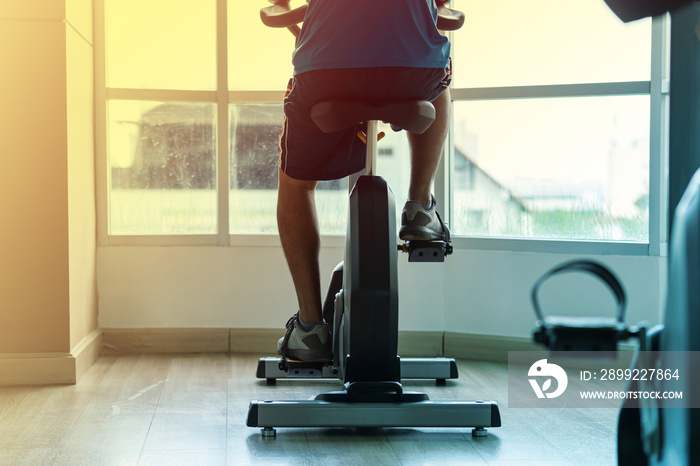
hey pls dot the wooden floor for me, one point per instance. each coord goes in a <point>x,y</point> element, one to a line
<point>191,410</point>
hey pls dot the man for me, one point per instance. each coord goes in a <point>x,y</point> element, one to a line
<point>366,49</point>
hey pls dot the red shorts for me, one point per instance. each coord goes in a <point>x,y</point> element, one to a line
<point>307,153</point>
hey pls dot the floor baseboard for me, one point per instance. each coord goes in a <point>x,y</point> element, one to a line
<point>165,340</point>
<point>50,368</point>
<point>264,342</point>
<point>492,348</point>
<point>37,369</point>
<point>87,352</point>
<point>66,368</point>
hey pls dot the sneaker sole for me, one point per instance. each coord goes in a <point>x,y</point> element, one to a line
<point>307,356</point>
<point>414,233</point>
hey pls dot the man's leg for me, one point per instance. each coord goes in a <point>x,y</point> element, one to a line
<point>426,151</point>
<point>419,218</point>
<point>300,237</point>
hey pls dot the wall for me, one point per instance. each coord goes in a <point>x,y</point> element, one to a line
<point>473,292</point>
<point>33,181</point>
<point>234,287</point>
<point>47,247</point>
<point>81,170</point>
<point>491,290</point>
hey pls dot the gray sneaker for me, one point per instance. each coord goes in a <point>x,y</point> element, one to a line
<point>421,224</point>
<point>311,346</point>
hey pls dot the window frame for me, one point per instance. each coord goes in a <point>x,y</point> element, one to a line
<point>657,88</point>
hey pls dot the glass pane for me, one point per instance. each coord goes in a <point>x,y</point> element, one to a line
<point>255,131</point>
<point>569,168</point>
<point>162,168</point>
<point>161,44</point>
<point>260,58</point>
<point>516,43</point>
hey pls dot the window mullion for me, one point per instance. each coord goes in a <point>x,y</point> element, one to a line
<point>223,136</point>
<point>658,138</point>
<point>552,90</point>
<point>164,95</point>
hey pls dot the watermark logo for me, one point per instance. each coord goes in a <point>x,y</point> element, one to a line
<point>542,369</point>
<point>603,379</point>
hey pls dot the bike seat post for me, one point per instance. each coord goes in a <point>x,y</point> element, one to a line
<point>371,157</point>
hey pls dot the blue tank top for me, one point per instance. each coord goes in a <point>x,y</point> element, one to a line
<point>370,34</point>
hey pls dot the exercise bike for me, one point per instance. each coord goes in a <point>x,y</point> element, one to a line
<point>279,15</point>
<point>362,301</point>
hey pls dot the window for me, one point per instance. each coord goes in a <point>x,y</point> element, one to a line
<point>553,105</point>
<point>551,135</point>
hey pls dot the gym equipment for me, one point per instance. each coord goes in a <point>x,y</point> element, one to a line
<point>652,433</point>
<point>362,308</point>
<point>648,432</point>
<point>628,10</point>
<point>578,334</point>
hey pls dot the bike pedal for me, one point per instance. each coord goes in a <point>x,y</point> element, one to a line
<point>295,363</point>
<point>304,369</point>
<point>426,251</point>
